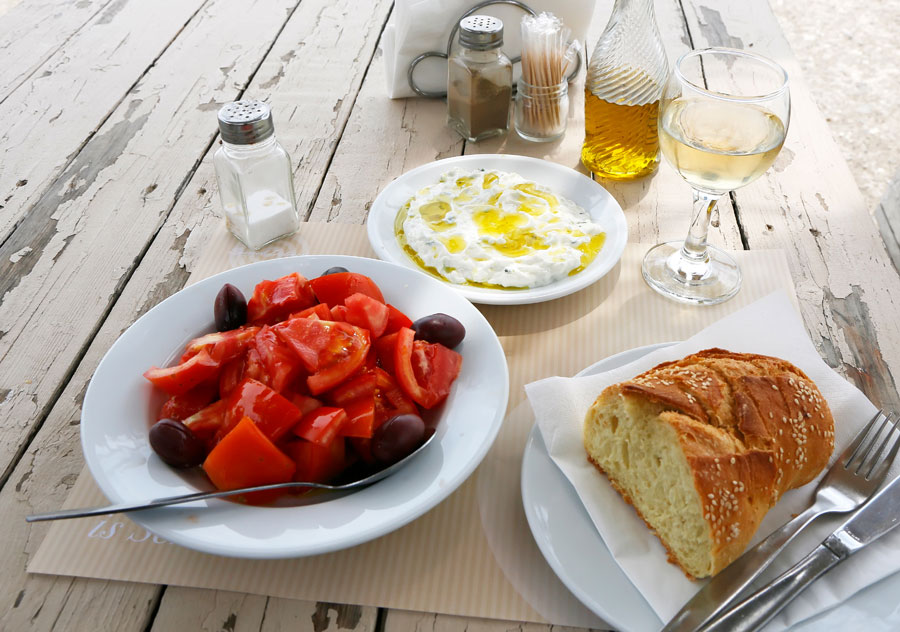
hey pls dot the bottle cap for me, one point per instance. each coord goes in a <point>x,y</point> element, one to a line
<point>246,122</point>
<point>480,32</point>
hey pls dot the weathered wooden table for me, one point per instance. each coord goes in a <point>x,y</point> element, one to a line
<point>107,195</point>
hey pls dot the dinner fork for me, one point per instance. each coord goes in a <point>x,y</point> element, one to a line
<point>853,478</point>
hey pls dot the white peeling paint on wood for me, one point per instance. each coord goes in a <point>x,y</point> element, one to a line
<point>50,116</point>
<point>31,32</point>
<point>108,204</point>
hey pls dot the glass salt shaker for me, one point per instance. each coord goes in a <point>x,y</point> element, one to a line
<point>254,176</point>
<point>479,80</point>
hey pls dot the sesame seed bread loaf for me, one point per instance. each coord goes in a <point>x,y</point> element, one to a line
<point>703,447</point>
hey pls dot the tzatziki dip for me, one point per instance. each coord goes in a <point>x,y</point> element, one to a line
<point>496,229</point>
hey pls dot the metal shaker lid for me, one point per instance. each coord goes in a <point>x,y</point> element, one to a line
<point>246,122</point>
<point>480,32</point>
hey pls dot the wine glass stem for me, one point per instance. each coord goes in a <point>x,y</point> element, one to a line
<point>693,259</point>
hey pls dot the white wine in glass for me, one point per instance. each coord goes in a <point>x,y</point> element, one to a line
<point>717,138</point>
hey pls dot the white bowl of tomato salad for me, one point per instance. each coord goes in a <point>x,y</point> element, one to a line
<point>300,391</point>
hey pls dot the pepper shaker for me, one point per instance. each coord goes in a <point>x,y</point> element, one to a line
<point>479,80</point>
<point>254,175</point>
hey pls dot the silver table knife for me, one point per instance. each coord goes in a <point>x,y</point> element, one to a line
<point>867,524</point>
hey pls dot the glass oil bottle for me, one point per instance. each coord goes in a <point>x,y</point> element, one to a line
<point>625,79</point>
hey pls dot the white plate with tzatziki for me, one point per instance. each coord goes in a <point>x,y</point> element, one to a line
<point>500,229</point>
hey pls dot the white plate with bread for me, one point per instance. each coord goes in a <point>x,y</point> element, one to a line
<point>573,547</point>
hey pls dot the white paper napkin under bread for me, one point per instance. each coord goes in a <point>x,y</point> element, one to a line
<point>769,326</point>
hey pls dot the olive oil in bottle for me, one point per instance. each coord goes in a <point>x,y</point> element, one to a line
<point>620,141</point>
<point>625,79</point>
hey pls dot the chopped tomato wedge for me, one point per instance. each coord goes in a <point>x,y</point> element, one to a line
<point>435,367</point>
<point>361,418</point>
<point>304,402</point>
<point>384,348</point>
<point>181,407</point>
<point>273,301</point>
<point>364,311</point>
<point>253,365</point>
<point>331,351</point>
<point>334,288</point>
<point>396,320</point>
<point>316,463</point>
<point>231,375</point>
<point>425,371</point>
<point>179,379</point>
<point>339,312</point>
<point>206,422</point>
<point>321,425</point>
<point>274,414</point>
<point>390,399</point>
<point>371,360</point>
<point>246,457</point>
<point>281,365</point>
<point>320,311</point>
<point>221,345</point>
<point>351,390</point>
<point>357,397</point>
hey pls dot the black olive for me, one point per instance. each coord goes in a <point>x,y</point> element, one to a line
<point>440,328</point>
<point>230,308</point>
<point>397,437</point>
<point>176,444</point>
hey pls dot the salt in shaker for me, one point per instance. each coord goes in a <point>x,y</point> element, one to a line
<point>479,80</point>
<point>254,176</point>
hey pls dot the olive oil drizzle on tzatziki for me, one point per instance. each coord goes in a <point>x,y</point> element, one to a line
<point>496,230</point>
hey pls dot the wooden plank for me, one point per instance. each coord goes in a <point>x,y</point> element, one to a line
<point>289,614</point>
<point>405,621</point>
<point>53,460</point>
<point>199,610</point>
<point>46,472</point>
<point>83,236</point>
<point>32,32</point>
<point>214,610</point>
<point>384,138</point>
<point>887,215</point>
<point>809,205</point>
<point>48,119</point>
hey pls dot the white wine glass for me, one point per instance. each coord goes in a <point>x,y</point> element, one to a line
<point>723,118</point>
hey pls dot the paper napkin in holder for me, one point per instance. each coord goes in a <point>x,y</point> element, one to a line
<point>421,26</point>
<point>560,405</point>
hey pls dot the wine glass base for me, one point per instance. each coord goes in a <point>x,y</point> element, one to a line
<point>715,282</point>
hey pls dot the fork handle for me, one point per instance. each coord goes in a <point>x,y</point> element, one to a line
<point>723,589</point>
<point>761,606</point>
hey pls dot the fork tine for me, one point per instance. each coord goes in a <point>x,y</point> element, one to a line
<point>865,452</point>
<point>853,448</point>
<point>891,435</point>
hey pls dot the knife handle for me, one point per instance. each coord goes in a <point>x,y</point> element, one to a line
<point>755,611</point>
<point>723,589</point>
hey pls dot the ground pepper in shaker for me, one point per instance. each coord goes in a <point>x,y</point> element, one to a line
<point>254,176</point>
<point>479,80</point>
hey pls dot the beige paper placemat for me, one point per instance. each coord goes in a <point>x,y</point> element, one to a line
<point>473,555</point>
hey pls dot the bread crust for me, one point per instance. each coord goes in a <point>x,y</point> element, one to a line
<point>750,426</point>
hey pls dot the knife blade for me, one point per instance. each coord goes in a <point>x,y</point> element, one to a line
<point>868,523</point>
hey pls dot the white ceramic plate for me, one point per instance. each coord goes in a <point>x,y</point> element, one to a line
<point>575,551</point>
<point>120,405</point>
<point>568,183</point>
